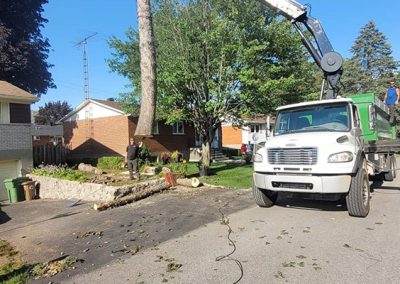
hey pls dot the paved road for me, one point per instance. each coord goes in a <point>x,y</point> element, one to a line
<point>296,242</point>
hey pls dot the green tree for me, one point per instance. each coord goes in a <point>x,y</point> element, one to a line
<point>23,49</point>
<point>219,60</point>
<point>371,65</point>
<point>51,112</point>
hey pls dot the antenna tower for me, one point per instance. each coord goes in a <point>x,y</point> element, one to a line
<point>83,43</point>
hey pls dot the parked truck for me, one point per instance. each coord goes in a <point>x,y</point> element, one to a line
<point>330,148</point>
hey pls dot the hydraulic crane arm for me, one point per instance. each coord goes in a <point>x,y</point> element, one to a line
<point>325,57</point>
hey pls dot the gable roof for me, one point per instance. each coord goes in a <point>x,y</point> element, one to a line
<point>111,104</point>
<point>115,106</point>
<point>10,92</point>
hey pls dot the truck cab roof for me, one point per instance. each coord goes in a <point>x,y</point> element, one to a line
<point>312,103</point>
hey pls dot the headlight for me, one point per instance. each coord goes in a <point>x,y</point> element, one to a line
<point>341,157</point>
<point>258,158</point>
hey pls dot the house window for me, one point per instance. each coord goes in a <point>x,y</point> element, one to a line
<point>155,127</point>
<point>36,138</point>
<point>255,128</point>
<point>4,113</point>
<point>177,128</point>
<point>56,140</point>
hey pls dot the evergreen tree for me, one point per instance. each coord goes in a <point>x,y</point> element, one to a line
<point>372,64</point>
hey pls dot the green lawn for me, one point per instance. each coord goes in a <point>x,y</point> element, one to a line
<point>237,176</point>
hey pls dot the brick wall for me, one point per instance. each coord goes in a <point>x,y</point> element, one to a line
<point>15,136</point>
<point>165,140</point>
<point>231,135</point>
<point>44,140</point>
<point>97,137</point>
<point>109,136</point>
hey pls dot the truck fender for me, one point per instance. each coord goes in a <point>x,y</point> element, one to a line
<point>360,158</point>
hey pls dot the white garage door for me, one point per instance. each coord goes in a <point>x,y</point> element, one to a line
<point>8,169</point>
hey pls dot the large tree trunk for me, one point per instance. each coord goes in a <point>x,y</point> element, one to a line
<point>147,68</point>
<point>205,157</point>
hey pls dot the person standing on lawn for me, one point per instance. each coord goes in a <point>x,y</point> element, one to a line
<point>391,99</point>
<point>132,155</point>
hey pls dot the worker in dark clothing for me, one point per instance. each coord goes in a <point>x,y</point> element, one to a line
<point>132,154</point>
<point>391,99</point>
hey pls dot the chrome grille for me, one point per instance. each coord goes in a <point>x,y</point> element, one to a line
<point>292,156</point>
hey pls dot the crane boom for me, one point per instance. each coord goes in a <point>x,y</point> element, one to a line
<point>330,62</point>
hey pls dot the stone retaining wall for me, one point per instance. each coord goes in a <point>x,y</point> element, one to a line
<point>53,188</point>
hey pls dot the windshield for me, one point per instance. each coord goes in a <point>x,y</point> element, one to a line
<point>313,118</point>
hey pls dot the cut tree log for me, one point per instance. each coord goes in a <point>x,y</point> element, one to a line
<point>193,182</point>
<point>132,197</point>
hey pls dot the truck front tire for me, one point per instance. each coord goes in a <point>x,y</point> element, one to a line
<point>263,197</point>
<point>357,199</point>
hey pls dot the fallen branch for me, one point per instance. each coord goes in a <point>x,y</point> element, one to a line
<point>132,197</point>
<point>193,182</point>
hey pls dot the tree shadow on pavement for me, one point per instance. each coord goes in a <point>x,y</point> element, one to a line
<point>4,218</point>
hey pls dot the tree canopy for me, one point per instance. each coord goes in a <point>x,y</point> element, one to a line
<point>219,60</point>
<point>51,112</point>
<point>371,65</point>
<point>23,50</point>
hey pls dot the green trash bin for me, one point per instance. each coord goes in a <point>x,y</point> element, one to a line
<point>15,190</point>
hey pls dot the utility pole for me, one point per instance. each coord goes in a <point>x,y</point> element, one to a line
<point>83,43</point>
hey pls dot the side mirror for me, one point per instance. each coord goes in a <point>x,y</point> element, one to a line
<point>356,131</point>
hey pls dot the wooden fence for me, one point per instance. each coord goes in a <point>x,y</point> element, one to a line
<point>49,154</point>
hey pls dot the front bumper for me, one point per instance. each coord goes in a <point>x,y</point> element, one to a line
<point>302,183</point>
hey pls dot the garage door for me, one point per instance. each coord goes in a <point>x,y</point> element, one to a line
<point>8,169</point>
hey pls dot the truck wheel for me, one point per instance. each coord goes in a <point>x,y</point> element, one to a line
<point>391,175</point>
<point>263,197</point>
<point>357,199</point>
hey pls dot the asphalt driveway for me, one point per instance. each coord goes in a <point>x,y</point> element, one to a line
<point>43,230</point>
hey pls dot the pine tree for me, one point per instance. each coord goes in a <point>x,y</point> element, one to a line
<point>372,64</point>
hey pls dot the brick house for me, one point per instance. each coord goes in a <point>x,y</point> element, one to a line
<point>99,128</point>
<point>45,134</point>
<point>15,133</point>
<point>234,136</point>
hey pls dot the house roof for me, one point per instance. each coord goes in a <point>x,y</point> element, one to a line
<point>111,104</point>
<point>47,130</point>
<point>115,106</point>
<point>13,93</point>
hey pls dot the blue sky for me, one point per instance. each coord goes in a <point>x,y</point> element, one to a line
<point>72,20</point>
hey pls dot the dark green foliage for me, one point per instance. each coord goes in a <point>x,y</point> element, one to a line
<point>62,172</point>
<point>218,60</point>
<point>144,155</point>
<point>52,112</point>
<point>24,51</point>
<point>372,65</point>
<point>110,163</point>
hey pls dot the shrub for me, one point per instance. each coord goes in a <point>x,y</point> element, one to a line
<point>62,172</point>
<point>110,163</point>
<point>176,156</point>
<point>180,168</point>
<point>144,154</point>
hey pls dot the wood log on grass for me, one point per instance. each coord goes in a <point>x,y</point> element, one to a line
<point>132,197</point>
<point>192,182</point>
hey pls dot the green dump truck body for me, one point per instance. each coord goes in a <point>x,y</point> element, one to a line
<point>374,117</point>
